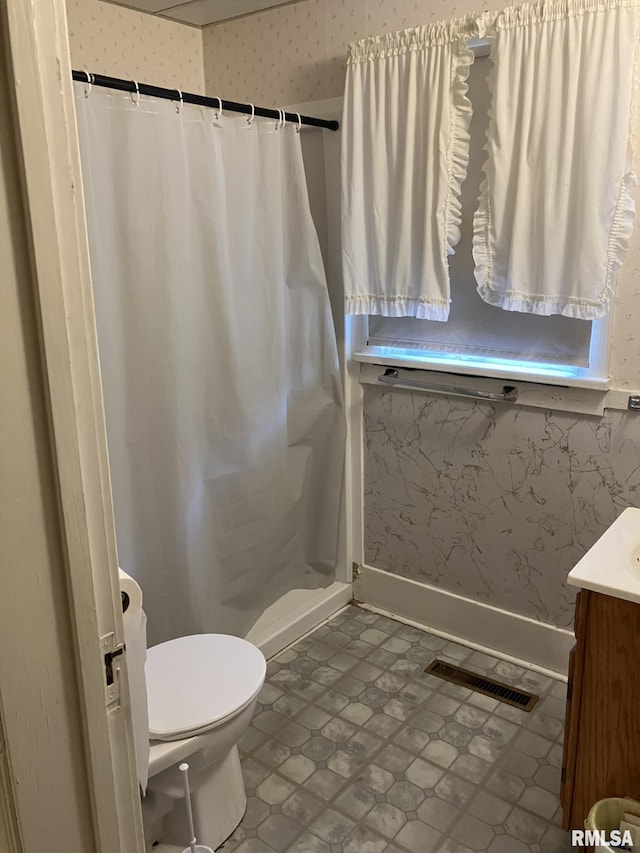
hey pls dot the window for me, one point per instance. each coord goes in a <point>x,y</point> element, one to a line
<point>480,338</point>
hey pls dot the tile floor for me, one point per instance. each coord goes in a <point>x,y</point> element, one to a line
<point>353,749</point>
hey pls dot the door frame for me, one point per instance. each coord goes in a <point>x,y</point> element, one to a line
<point>46,138</point>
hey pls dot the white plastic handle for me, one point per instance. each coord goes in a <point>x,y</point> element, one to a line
<point>184,769</point>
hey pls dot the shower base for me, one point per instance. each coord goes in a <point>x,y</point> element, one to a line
<point>296,613</point>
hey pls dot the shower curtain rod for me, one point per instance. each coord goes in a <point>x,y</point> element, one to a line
<point>200,100</point>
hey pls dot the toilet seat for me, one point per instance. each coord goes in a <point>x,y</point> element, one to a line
<point>195,683</point>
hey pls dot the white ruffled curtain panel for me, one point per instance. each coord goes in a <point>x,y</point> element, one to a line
<point>555,213</point>
<point>404,157</point>
<point>218,357</point>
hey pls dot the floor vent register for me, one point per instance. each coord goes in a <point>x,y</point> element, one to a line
<point>489,686</point>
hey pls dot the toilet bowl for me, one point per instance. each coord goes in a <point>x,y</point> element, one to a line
<point>201,694</point>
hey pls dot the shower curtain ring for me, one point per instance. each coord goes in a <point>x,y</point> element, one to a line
<point>253,114</point>
<point>136,100</point>
<point>219,109</point>
<point>179,106</point>
<point>284,119</point>
<point>299,127</point>
<point>90,78</point>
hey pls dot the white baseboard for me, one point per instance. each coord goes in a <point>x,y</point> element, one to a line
<point>487,628</point>
<point>295,614</point>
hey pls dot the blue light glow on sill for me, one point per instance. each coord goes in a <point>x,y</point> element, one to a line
<point>460,361</point>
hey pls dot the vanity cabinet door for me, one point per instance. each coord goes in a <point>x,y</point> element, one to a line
<point>602,741</point>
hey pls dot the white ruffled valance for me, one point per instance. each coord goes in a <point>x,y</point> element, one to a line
<point>404,158</point>
<point>555,213</point>
<point>417,38</point>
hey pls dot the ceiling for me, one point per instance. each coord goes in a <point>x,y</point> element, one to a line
<point>200,13</point>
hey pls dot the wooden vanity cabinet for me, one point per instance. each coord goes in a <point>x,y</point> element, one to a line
<point>602,734</point>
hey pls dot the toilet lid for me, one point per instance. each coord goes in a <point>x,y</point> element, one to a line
<point>195,682</point>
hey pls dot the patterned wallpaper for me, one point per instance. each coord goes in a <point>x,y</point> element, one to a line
<point>270,58</point>
<point>120,42</point>
<point>494,502</point>
<point>297,53</point>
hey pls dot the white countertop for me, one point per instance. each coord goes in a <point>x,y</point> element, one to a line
<point>612,565</point>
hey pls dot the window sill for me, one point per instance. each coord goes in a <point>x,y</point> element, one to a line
<point>563,377</point>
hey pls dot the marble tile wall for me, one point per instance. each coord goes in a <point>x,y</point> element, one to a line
<point>495,503</point>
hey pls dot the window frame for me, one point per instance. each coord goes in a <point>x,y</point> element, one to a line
<point>595,376</point>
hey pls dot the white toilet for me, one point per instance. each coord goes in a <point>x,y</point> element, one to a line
<point>190,701</point>
<point>201,694</point>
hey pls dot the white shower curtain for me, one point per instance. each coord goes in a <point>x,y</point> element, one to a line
<point>218,358</point>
